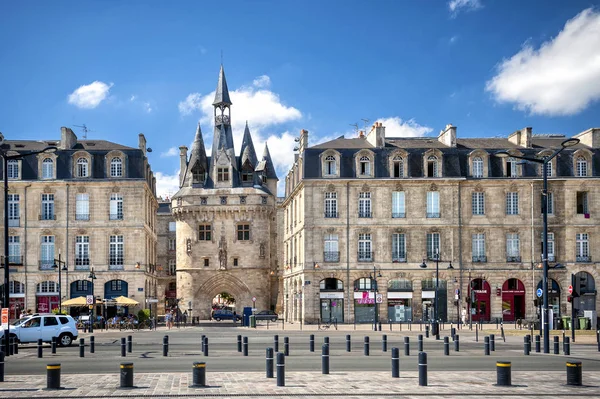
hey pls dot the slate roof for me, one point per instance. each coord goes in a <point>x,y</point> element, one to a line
<point>222,92</point>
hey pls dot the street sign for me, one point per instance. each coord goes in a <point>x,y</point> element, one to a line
<point>4,318</point>
<point>570,289</point>
<point>379,298</point>
<point>152,300</point>
<point>253,299</point>
<point>89,299</point>
<point>539,292</point>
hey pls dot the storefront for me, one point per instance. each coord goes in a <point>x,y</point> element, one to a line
<point>480,295</point>
<point>114,289</point>
<point>513,300</point>
<point>77,289</point>
<point>428,300</point>
<point>364,300</point>
<point>17,299</point>
<point>331,297</point>
<point>553,297</point>
<point>46,296</point>
<point>399,300</point>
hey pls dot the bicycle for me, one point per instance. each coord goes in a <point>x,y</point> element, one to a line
<point>329,323</point>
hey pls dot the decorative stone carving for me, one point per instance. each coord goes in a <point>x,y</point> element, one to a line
<point>188,246</point>
<point>115,189</point>
<point>223,253</point>
<point>81,189</point>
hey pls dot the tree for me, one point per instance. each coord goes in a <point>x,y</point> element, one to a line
<point>227,298</point>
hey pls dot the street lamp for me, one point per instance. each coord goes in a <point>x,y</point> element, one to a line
<point>92,277</point>
<point>435,328</point>
<point>57,263</point>
<point>544,162</point>
<point>5,159</point>
<point>376,273</point>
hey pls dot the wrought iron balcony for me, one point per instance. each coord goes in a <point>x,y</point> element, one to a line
<point>433,256</point>
<point>398,256</point>
<point>331,256</point>
<point>583,259</point>
<point>13,260</point>
<point>46,264</point>
<point>14,221</point>
<point>513,259</point>
<point>116,267</point>
<point>116,216</point>
<point>331,214</point>
<point>365,256</point>
<point>398,215</point>
<point>82,216</point>
<point>47,216</point>
<point>433,215</point>
<point>364,214</point>
<point>479,259</point>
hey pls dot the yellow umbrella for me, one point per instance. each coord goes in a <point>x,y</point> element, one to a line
<point>124,301</point>
<point>79,301</point>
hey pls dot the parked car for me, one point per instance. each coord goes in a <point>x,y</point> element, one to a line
<point>44,326</point>
<point>266,315</point>
<point>222,314</point>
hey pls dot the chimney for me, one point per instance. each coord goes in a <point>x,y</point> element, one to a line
<point>67,138</point>
<point>303,143</point>
<point>590,137</point>
<point>182,163</point>
<point>522,137</point>
<point>361,134</point>
<point>376,136</point>
<point>448,136</point>
<point>142,143</point>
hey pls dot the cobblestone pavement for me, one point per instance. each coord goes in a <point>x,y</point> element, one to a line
<point>305,384</point>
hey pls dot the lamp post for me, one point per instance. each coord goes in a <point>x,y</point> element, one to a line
<point>374,288</point>
<point>92,277</point>
<point>5,159</point>
<point>57,265</point>
<point>435,328</point>
<point>544,162</point>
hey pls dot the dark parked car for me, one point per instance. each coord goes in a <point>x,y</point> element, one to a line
<point>266,315</point>
<point>219,315</point>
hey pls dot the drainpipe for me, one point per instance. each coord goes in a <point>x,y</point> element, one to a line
<point>25,264</point>
<point>460,254</point>
<point>350,298</point>
<point>533,288</point>
<point>67,247</point>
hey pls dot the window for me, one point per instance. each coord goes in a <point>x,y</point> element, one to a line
<point>549,170</point>
<point>550,203</point>
<point>433,204</point>
<point>82,206</point>
<point>398,167</point>
<point>398,247</point>
<point>204,232</point>
<point>47,207</point>
<point>511,167</point>
<point>82,167</point>
<point>477,167</point>
<point>47,252</point>
<point>478,203</point>
<point>115,285</point>
<point>331,251</point>
<point>247,176</point>
<point>116,252</point>
<point>172,226</point>
<point>236,262</point>
<point>172,267</point>
<point>550,247</point>
<point>83,285</point>
<point>398,204</point>
<point>243,232</point>
<point>82,251</point>
<point>365,246</point>
<point>13,210</point>
<point>582,248</point>
<point>116,207</point>
<point>432,166</point>
<point>433,245</point>
<point>47,287</point>
<point>14,250</point>
<point>330,165</point>
<point>50,321</point>
<point>116,167</point>
<point>364,205</point>
<point>582,167</point>
<point>331,205</point>
<point>206,262</point>
<point>12,168</point>
<point>512,203</point>
<point>198,174</point>
<point>365,166</point>
<point>47,168</point>
<point>222,174</point>
<point>172,244</point>
<point>478,247</point>
<point>364,284</point>
<point>582,203</point>
<point>513,253</point>
<point>16,287</point>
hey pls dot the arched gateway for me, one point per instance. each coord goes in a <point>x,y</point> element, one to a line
<point>223,282</point>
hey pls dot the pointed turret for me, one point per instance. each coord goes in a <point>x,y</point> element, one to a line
<point>270,166</point>
<point>198,165</point>
<point>222,93</point>
<point>223,163</point>
<point>247,151</point>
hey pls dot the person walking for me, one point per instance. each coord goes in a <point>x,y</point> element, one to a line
<point>168,317</point>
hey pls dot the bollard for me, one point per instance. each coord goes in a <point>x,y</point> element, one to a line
<point>525,346</point>
<point>492,342</point>
<point>476,333</point>
<point>198,375</point>
<point>395,363</point>
<point>446,346</point>
<point>423,369</point>
<point>325,359</point>
<point>486,346</point>
<point>129,343</point>
<point>276,343</point>
<point>556,346</point>
<point>427,331</point>
<point>420,342</point>
<point>166,345</point>
<point>567,347</point>
<point>53,376</point>
<point>11,346</point>
<point>39,349</point>
<point>205,346</point>
<point>15,347</point>
<point>453,333</point>
<point>81,347</point>
<point>269,362</point>
<point>537,344</point>
<point>53,345</point>
<point>239,343</point>
<point>123,348</point>
<point>574,373</point>
<point>311,343</point>
<point>326,340</point>
<point>406,346</point>
<point>1,366</point>
<point>126,375</point>
<point>286,346</point>
<point>384,343</point>
<point>456,343</point>
<point>280,369</point>
<point>366,346</point>
<point>503,375</point>
<point>348,343</point>
<point>245,346</point>
<point>202,342</point>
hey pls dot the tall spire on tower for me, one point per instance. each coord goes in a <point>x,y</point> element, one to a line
<point>222,93</point>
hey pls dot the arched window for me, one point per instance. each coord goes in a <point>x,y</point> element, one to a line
<point>16,287</point>
<point>582,167</point>
<point>46,286</point>
<point>82,167</point>
<point>47,168</point>
<point>365,166</point>
<point>432,166</point>
<point>477,167</point>
<point>398,166</point>
<point>364,284</point>
<point>330,165</point>
<point>331,284</point>
<point>116,167</point>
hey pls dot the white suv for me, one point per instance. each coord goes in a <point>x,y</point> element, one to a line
<point>44,326</point>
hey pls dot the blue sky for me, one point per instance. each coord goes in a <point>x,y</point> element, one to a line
<point>489,67</point>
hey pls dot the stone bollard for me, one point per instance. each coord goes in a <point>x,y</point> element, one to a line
<point>420,342</point>
<point>276,343</point>
<point>239,344</point>
<point>311,343</point>
<point>456,343</point>
<point>166,345</point>
<point>81,347</point>
<point>280,369</point>
<point>395,363</point>
<point>567,347</point>
<point>205,346</point>
<point>503,374</point>
<point>537,344</point>
<point>53,345</point>
<point>486,346</point>
<point>574,373</point>
<point>126,375</point>
<point>1,366</point>
<point>123,347</point>
<point>269,362</point>
<point>286,346</point>
<point>384,343</point>
<point>556,346</point>
<point>129,344</point>
<point>245,346</point>
<point>198,375</point>
<point>348,343</point>
<point>325,359</point>
<point>53,376</point>
<point>406,346</point>
<point>366,346</point>
<point>423,369</point>
<point>92,344</point>
<point>446,346</point>
<point>39,349</point>
<point>492,342</point>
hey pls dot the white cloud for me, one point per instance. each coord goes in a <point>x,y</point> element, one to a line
<point>166,185</point>
<point>190,104</point>
<point>171,152</point>
<point>453,39</point>
<point>133,97</point>
<point>89,96</point>
<point>262,81</point>
<point>396,127</point>
<point>147,107</point>
<point>562,77</point>
<point>456,6</point>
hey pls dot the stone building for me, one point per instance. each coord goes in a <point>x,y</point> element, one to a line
<point>361,215</point>
<point>90,204</point>
<point>225,213</point>
<point>166,265</point>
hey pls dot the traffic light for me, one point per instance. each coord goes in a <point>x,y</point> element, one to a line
<point>569,299</point>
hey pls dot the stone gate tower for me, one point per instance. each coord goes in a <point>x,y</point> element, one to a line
<point>225,213</point>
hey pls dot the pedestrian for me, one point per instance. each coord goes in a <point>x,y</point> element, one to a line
<point>168,316</point>
<point>464,315</point>
<point>185,316</point>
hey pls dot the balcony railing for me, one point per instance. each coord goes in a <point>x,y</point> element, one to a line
<point>116,267</point>
<point>513,259</point>
<point>82,263</point>
<point>583,258</point>
<point>479,259</point>
<point>432,256</point>
<point>47,216</point>
<point>331,256</point>
<point>364,214</point>
<point>82,216</point>
<point>365,256</point>
<point>433,215</point>
<point>398,215</point>
<point>331,214</point>
<point>46,264</point>
<point>14,222</point>
<point>16,260</point>
<point>398,256</point>
<point>116,216</point>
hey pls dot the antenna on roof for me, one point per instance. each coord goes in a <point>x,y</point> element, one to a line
<point>355,127</point>
<point>366,122</point>
<point>85,130</point>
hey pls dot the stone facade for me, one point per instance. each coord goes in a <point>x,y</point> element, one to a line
<point>361,215</point>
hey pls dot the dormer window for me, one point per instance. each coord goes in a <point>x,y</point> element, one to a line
<point>330,165</point>
<point>47,168</point>
<point>582,167</point>
<point>477,167</point>
<point>398,167</point>
<point>222,174</point>
<point>247,173</point>
<point>12,169</point>
<point>365,166</point>
<point>198,174</point>
<point>116,167</point>
<point>511,167</point>
<point>432,166</point>
<point>82,167</point>
<point>263,178</point>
